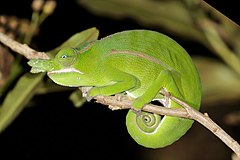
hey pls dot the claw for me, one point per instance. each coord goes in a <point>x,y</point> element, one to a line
<point>89,98</point>
<point>164,92</point>
<point>166,101</point>
<point>136,111</point>
<point>85,91</point>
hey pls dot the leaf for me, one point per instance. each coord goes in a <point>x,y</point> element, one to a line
<point>178,21</point>
<point>17,98</point>
<point>77,39</point>
<point>26,86</point>
<point>77,99</point>
<point>219,82</point>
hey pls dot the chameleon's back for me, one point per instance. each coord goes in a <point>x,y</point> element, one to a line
<point>159,49</point>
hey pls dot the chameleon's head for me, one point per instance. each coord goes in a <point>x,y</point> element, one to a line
<point>62,69</point>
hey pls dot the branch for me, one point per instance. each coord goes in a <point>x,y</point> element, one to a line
<point>207,122</point>
<point>22,49</point>
<point>117,103</point>
<point>120,102</point>
<point>185,112</point>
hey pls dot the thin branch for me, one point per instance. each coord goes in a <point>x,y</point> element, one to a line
<point>207,122</point>
<point>118,102</point>
<point>22,49</point>
<point>185,112</point>
<point>219,46</point>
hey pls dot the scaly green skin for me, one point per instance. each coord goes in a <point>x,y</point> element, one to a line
<point>139,63</point>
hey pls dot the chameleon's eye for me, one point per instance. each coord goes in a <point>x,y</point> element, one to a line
<point>66,57</point>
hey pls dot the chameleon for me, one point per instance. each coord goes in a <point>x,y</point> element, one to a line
<point>138,64</point>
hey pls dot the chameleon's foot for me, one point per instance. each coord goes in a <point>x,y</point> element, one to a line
<point>164,92</point>
<point>122,97</point>
<point>119,97</point>
<point>136,111</point>
<point>85,93</point>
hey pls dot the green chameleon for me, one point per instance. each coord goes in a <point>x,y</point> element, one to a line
<point>139,63</point>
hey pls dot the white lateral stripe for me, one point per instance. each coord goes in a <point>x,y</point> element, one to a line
<point>130,94</point>
<point>65,70</point>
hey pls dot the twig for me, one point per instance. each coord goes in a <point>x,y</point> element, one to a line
<point>219,46</point>
<point>116,102</point>
<point>185,112</point>
<point>207,122</point>
<point>22,49</point>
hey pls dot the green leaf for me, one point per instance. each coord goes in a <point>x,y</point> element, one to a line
<point>219,82</point>
<point>178,21</point>
<point>77,99</point>
<point>77,39</point>
<point>17,98</point>
<point>27,85</point>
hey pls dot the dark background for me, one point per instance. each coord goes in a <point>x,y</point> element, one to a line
<point>53,128</point>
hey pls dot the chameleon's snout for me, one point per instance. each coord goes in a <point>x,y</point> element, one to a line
<point>40,65</point>
<point>33,62</point>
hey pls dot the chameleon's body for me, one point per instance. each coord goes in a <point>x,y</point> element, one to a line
<point>139,63</point>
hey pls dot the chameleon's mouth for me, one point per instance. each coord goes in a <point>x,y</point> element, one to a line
<point>70,77</point>
<point>65,70</point>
